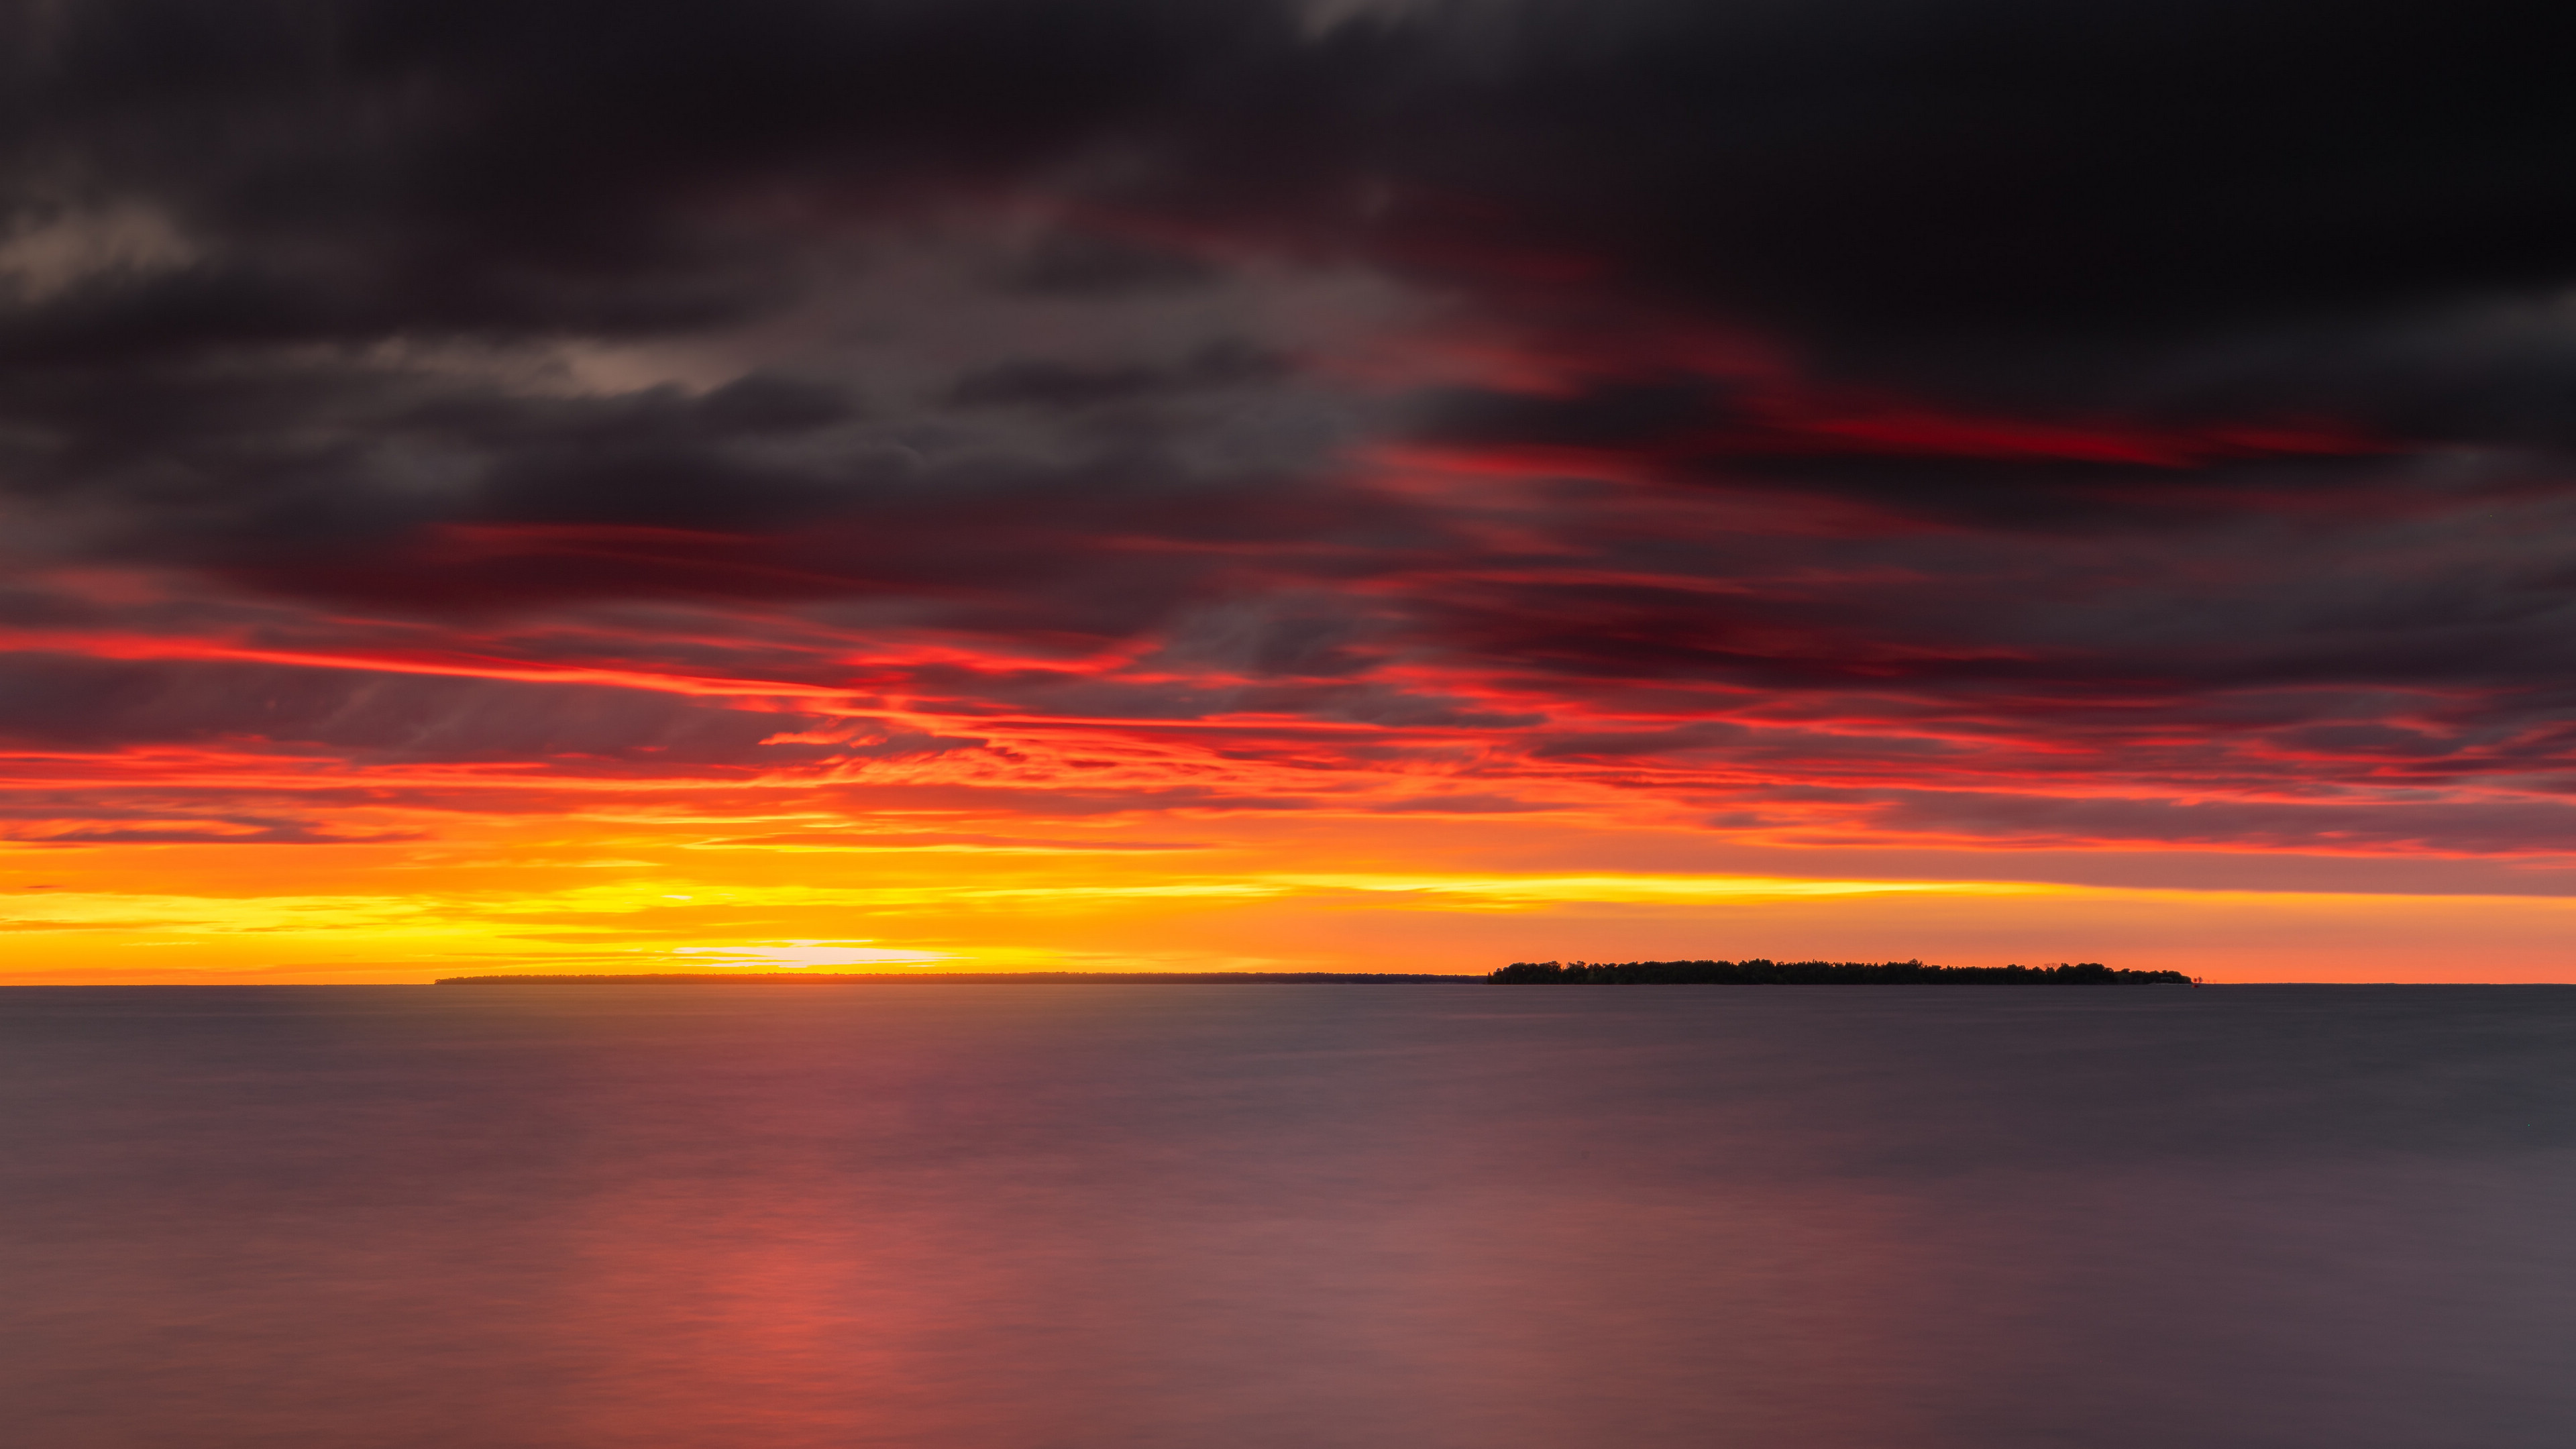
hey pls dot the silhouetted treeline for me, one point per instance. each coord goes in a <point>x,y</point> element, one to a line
<point>1039,978</point>
<point>1823,973</point>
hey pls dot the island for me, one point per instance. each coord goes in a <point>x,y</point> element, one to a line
<point>1824,973</point>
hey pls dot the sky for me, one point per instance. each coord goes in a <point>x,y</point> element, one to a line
<point>1240,484</point>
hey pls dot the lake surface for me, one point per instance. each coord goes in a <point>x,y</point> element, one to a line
<point>1288,1217</point>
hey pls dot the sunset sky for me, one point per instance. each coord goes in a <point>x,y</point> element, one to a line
<point>1222,484</point>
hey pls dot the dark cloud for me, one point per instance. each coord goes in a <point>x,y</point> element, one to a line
<point>64,700</point>
<point>1615,414</point>
<point>2466,829</point>
<point>1040,384</point>
<point>1082,263</point>
<point>1476,804</point>
<point>1646,386</point>
<point>229,832</point>
<point>1980,169</point>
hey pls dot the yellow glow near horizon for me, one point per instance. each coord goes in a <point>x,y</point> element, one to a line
<point>803,955</point>
<point>1109,915</point>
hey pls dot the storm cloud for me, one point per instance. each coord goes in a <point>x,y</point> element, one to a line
<point>2133,422</point>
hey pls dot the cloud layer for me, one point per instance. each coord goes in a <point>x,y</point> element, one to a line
<point>1850,424</point>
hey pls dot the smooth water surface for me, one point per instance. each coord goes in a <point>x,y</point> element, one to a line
<point>1288,1217</point>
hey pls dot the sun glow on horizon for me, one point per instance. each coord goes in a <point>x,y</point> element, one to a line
<point>1093,911</point>
<point>800,955</point>
<point>1184,515</point>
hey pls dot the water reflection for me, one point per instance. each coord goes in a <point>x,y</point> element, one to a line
<point>1288,1216</point>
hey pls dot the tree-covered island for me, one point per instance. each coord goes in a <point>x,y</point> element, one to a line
<point>1824,973</point>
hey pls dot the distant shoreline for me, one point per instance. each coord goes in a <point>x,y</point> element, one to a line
<point>1626,973</point>
<point>987,978</point>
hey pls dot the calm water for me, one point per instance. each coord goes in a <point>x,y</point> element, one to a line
<point>1213,1217</point>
